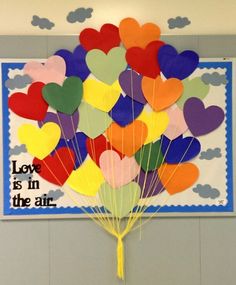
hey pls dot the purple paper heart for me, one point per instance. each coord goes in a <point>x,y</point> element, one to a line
<point>201,120</point>
<point>125,110</point>
<point>75,62</point>
<point>131,83</point>
<point>78,145</point>
<point>67,123</point>
<point>174,65</point>
<point>149,183</point>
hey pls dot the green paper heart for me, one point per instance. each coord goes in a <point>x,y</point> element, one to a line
<point>119,201</point>
<point>92,121</point>
<point>193,88</point>
<point>106,67</point>
<point>150,157</point>
<point>65,98</point>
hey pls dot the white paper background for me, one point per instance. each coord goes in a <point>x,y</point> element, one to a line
<point>212,172</point>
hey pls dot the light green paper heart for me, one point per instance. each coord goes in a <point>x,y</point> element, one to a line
<point>92,121</point>
<point>65,98</point>
<point>119,201</point>
<point>193,88</point>
<point>106,67</point>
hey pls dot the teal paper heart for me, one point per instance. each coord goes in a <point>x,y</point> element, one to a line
<point>150,156</point>
<point>65,98</point>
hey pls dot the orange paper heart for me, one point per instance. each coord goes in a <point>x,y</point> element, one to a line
<point>176,178</point>
<point>129,139</point>
<point>161,94</point>
<point>132,35</point>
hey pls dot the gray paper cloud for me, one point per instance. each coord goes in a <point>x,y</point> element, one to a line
<point>23,176</point>
<point>214,78</point>
<point>55,194</point>
<point>206,191</point>
<point>178,22</point>
<point>19,82</point>
<point>42,23</point>
<point>79,15</point>
<point>210,153</point>
<point>17,149</point>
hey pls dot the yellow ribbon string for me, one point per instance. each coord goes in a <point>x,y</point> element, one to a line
<point>120,250</point>
<point>120,257</point>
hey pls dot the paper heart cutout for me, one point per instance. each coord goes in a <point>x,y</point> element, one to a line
<point>106,39</point>
<point>180,149</point>
<point>161,94</point>
<point>24,104</point>
<point>53,70</point>
<point>156,123</point>
<point>116,171</point>
<point>125,111</point>
<point>177,125</point>
<point>67,123</point>
<point>201,120</point>
<point>134,35</point>
<point>65,98</point>
<point>101,95</point>
<point>193,88</point>
<point>150,156</point>
<point>129,139</point>
<point>92,122</point>
<point>149,183</point>
<point>144,61</point>
<point>131,83</point>
<point>119,201</point>
<point>174,65</point>
<point>39,142</point>
<point>78,145</point>
<point>178,177</point>
<point>86,179</point>
<point>75,62</point>
<point>106,67</point>
<point>56,168</point>
<point>97,146</point>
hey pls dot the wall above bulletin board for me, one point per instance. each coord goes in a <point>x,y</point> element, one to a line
<point>111,131</point>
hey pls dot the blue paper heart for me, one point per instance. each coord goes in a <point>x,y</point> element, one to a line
<point>180,149</point>
<point>78,145</point>
<point>125,110</point>
<point>177,65</point>
<point>75,62</point>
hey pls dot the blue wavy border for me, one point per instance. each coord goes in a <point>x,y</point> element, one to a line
<point>229,207</point>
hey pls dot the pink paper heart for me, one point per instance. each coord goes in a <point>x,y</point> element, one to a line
<point>117,171</point>
<point>177,125</point>
<point>53,70</point>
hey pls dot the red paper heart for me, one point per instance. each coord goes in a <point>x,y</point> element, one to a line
<point>57,168</point>
<point>30,106</point>
<point>144,61</point>
<point>97,146</point>
<point>106,39</point>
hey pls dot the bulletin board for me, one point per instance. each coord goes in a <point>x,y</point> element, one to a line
<point>27,195</point>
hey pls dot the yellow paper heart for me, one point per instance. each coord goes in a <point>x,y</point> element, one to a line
<point>39,142</point>
<point>86,179</point>
<point>101,95</point>
<point>156,122</point>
